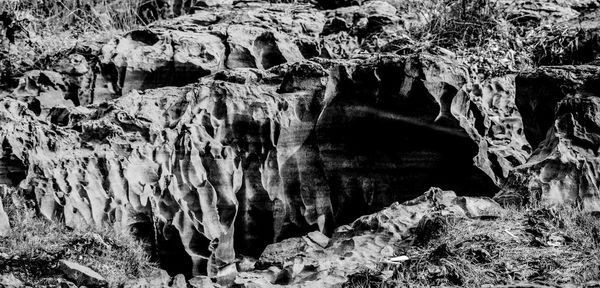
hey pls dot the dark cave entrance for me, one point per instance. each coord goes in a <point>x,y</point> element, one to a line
<point>12,169</point>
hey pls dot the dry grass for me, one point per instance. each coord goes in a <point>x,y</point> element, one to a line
<point>45,29</point>
<point>461,23</point>
<point>563,45</point>
<point>78,16</point>
<point>477,31</point>
<point>533,245</point>
<point>32,251</point>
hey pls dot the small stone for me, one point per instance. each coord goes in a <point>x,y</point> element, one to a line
<point>81,275</point>
<point>201,282</point>
<point>319,238</point>
<point>387,274</point>
<point>400,258</point>
<point>179,281</point>
<point>246,264</point>
<point>387,251</point>
<point>9,280</point>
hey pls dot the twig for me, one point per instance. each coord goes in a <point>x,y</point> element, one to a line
<point>512,235</point>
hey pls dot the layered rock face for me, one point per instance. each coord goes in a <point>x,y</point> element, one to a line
<point>70,83</point>
<point>559,106</point>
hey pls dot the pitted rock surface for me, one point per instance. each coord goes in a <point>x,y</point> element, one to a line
<point>180,51</point>
<point>223,168</point>
<point>559,107</point>
<point>246,126</point>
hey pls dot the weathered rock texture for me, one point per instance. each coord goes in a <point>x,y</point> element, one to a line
<point>70,83</point>
<point>559,106</point>
<point>276,123</point>
<point>180,51</point>
<point>488,109</point>
<point>247,157</point>
<point>364,244</point>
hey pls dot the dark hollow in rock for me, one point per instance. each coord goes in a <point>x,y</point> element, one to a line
<point>12,169</point>
<point>380,142</point>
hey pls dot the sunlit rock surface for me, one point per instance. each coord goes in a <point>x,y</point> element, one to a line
<point>179,51</point>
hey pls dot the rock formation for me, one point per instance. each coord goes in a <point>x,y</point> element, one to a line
<point>266,146</point>
<point>179,51</point>
<point>216,134</point>
<point>237,161</point>
<point>559,107</point>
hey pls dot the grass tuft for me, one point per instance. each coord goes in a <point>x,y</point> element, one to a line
<point>32,250</point>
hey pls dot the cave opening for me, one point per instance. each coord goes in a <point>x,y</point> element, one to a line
<point>12,169</point>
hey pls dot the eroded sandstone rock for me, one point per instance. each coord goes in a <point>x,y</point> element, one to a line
<point>559,107</point>
<point>180,51</point>
<point>248,157</point>
<point>70,83</point>
<point>490,106</point>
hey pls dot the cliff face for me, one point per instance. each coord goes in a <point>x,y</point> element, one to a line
<point>247,157</point>
<point>218,133</point>
<point>559,106</point>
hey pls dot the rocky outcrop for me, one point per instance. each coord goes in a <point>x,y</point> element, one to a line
<point>223,138</point>
<point>366,244</point>
<point>490,106</point>
<point>247,157</point>
<point>559,107</point>
<point>70,83</point>
<point>250,130</point>
<point>180,51</point>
